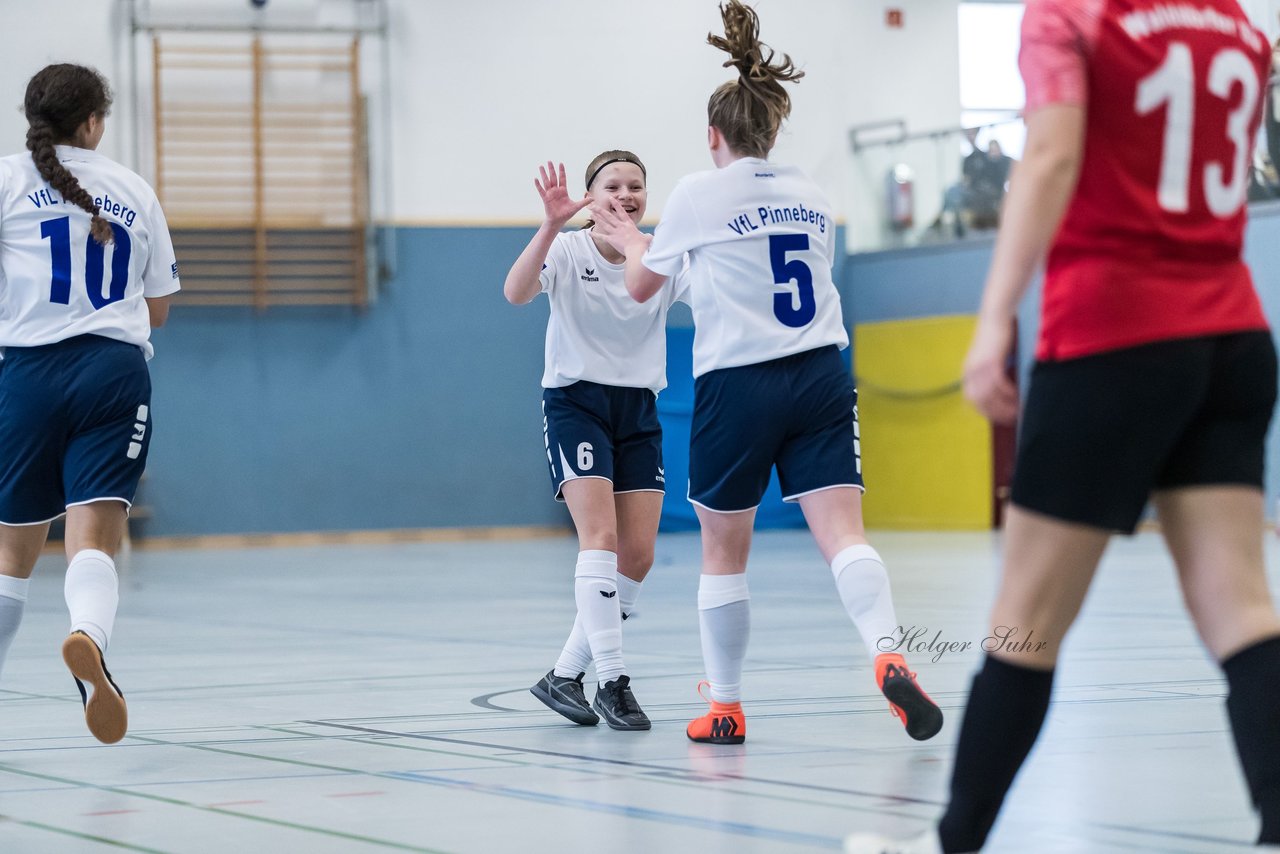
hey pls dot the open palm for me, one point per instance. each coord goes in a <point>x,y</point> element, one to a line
<point>553,188</point>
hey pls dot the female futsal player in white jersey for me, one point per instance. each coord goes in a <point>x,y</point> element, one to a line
<point>87,267</point>
<point>606,361</point>
<point>771,388</point>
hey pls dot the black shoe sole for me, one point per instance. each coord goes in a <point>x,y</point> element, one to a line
<point>720,739</point>
<point>924,720</point>
<point>579,715</point>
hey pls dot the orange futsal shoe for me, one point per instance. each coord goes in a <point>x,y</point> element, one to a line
<point>919,714</point>
<point>724,724</point>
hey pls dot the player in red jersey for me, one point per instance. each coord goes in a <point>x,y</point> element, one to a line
<point>1155,373</point>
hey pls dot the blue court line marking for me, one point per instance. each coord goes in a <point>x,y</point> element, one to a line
<point>896,799</point>
<point>625,811</point>
<point>647,766</point>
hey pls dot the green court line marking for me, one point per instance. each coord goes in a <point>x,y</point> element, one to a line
<point>78,835</point>
<point>336,834</point>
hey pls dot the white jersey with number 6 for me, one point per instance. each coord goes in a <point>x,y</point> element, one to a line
<point>761,241</point>
<point>596,331</point>
<point>56,281</point>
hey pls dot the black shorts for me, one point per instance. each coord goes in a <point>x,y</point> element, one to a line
<point>799,413</point>
<point>1100,433</point>
<point>606,432</point>
<point>76,426</point>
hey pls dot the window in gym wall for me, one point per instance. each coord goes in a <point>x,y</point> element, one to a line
<point>990,85</point>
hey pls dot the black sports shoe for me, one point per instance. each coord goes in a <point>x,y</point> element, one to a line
<point>564,695</point>
<point>617,705</point>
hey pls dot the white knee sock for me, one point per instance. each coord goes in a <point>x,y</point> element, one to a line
<point>93,594</point>
<point>864,589</point>
<point>628,593</point>
<point>595,587</point>
<point>724,614</point>
<point>575,658</point>
<point>13,600</point>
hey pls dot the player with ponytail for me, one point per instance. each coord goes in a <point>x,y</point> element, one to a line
<point>88,268</point>
<point>771,388</point>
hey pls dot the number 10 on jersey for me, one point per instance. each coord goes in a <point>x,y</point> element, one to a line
<point>58,233</point>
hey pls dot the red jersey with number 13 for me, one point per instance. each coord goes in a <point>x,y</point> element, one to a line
<point>1149,249</point>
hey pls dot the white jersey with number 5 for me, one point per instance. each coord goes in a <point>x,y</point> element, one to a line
<point>761,241</point>
<point>56,281</point>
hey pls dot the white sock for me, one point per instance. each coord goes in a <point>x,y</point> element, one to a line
<point>628,593</point>
<point>93,594</point>
<point>724,614</point>
<point>864,589</point>
<point>13,600</point>
<point>575,658</point>
<point>595,587</point>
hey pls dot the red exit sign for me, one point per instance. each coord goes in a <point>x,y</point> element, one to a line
<point>893,18</point>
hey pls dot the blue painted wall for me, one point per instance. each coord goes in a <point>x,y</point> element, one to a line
<point>423,411</point>
<point>948,280</point>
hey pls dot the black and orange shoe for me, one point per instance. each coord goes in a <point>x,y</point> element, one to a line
<point>724,724</point>
<point>104,711</point>
<point>919,714</point>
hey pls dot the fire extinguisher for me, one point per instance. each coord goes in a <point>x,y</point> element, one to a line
<point>900,197</point>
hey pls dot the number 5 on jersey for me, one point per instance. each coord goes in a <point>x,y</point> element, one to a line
<point>786,271</point>
<point>58,233</point>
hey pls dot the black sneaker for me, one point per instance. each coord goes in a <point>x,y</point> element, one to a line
<point>565,696</point>
<point>617,705</point>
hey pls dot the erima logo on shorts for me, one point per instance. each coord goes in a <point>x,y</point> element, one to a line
<point>589,275</point>
<point>139,433</point>
<point>174,268</point>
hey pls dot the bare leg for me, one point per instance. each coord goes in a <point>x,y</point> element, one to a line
<point>1215,536</point>
<point>1048,565</point>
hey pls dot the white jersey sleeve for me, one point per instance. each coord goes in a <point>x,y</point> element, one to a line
<point>557,262</point>
<point>160,277</point>
<point>677,287</point>
<point>677,233</point>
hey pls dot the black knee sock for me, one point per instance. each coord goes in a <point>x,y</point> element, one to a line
<point>1006,709</point>
<point>1253,704</point>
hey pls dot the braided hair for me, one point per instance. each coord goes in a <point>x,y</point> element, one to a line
<point>59,99</point>
<point>749,111</point>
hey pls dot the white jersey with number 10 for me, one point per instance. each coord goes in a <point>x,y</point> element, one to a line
<point>761,241</point>
<point>56,281</point>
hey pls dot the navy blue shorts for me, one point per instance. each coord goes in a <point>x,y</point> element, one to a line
<point>1101,432</point>
<point>607,432</point>
<point>76,425</point>
<point>799,413</point>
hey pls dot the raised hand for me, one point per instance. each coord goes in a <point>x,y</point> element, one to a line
<point>616,226</point>
<point>553,187</point>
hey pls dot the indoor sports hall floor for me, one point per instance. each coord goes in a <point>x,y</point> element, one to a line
<point>362,699</point>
